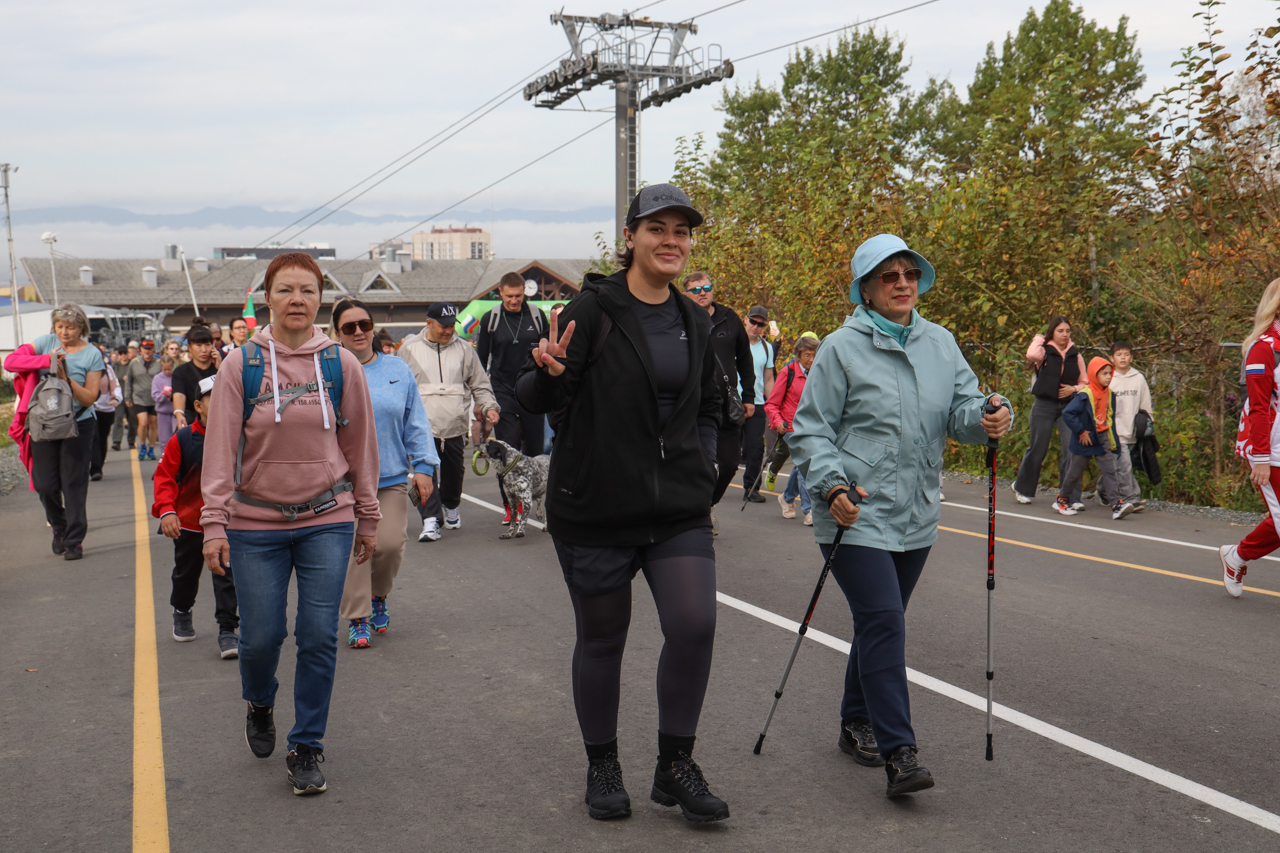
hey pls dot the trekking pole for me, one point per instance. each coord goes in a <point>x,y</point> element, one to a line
<point>767,461</point>
<point>993,444</point>
<point>853,495</point>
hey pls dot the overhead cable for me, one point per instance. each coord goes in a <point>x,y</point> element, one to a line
<point>836,30</point>
<point>483,189</point>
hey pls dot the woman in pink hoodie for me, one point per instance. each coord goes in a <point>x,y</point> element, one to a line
<point>290,488</point>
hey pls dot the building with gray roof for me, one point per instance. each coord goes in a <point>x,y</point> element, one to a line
<point>397,292</point>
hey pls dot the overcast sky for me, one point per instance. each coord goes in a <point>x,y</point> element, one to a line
<point>161,107</point>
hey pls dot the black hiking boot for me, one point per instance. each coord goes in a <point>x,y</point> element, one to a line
<point>684,786</point>
<point>304,770</point>
<point>755,497</point>
<point>59,544</point>
<point>606,798</point>
<point>260,730</point>
<point>73,552</point>
<point>906,773</point>
<point>857,739</point>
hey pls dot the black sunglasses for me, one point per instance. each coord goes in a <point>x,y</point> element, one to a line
<point>698,288</point>
<point>891,277</point>
<point>756,321</point>
<point>350,328</point>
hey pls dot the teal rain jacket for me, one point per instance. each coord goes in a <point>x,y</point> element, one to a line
<point>878,414</point>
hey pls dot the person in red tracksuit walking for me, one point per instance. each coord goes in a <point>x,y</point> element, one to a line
<point>178,505</point>
<point>1257,441</point>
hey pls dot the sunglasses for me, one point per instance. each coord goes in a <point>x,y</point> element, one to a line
<point>756,322</point>
<point>698,288</point>
<point>891,277</point>
<point>349,329</point>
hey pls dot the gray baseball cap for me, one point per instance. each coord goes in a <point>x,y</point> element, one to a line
<point>658,197</point>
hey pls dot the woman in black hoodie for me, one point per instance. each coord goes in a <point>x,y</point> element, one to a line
<point>633,379</point>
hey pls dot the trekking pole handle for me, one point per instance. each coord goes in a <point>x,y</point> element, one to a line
<point>989,409</point>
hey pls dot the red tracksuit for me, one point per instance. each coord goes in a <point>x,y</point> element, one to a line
<point>1257,440</point>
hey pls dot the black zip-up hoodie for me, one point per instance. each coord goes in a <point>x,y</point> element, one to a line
<point>617,478</point>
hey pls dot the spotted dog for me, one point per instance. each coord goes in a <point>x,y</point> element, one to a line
<point>524,479</point>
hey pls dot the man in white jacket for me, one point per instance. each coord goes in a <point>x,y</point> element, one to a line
<point>450,377</point>
<point>1132,396</point>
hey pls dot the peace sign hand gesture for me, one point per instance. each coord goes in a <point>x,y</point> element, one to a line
<point>552,348</point>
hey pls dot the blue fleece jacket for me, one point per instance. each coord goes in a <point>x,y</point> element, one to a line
<point>1078,416</point>
<point>405,442</point>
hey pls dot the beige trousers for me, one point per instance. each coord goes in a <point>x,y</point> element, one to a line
<point>376,575</point>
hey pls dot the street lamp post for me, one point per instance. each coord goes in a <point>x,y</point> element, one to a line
<point>51,238</point>
<point>5,169</point>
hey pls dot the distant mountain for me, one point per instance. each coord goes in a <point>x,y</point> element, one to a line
<point>244,216</point>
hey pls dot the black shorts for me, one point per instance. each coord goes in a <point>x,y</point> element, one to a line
<point>599,570</point>
<point>143,410</point>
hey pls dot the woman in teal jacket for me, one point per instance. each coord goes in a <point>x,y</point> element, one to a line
<point>886,390</point>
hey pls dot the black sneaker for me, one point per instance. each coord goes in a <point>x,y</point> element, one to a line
<point>59,544</point>
<point>304,770</point>
<point>96,476</point>
<point>73,552</point>
<point>606,798</point>
<point>183,630</point>
<point>115,445</point>
<point>755,497</point>
<point>228,645</point>
<point>906,773</point>
<point>858,740</point>
<point>684,786</point>
<point>260,730</point>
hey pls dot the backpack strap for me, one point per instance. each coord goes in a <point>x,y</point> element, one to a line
<point>493,318</point>
<point>535,313</point>
<point>331,368</point>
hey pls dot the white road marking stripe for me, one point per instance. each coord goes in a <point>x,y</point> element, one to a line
<point>1078,525</point>
<point>1172,781</point>
<point>498,509</point>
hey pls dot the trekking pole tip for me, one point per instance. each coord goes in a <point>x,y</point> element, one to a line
<point>759,743</point>
<point>990,755</point>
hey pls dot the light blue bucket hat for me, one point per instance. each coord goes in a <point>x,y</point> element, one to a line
<point>874,251</point>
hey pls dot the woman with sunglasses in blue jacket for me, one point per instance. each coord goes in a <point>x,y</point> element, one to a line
<point>885,392</point>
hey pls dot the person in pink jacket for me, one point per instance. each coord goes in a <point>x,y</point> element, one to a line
<point>290,489</point>
<point>162,393</point>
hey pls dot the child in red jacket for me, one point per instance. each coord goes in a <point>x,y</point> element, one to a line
<point>178,505</point>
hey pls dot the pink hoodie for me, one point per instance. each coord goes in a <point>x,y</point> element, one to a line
<point>293,457</point>
<point>23,363</point>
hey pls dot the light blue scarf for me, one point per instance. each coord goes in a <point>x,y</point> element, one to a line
<point>897,331</point>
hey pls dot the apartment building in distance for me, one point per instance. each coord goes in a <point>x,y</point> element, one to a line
<point>453,244</point>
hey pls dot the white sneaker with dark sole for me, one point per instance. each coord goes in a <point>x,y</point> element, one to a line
<point>1232,578</point>
<point>430,530</point>
<point>452,518</point>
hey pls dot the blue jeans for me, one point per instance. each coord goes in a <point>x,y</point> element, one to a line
<point>263,561</point>
<point>878,585</point>
<point>796,486</point>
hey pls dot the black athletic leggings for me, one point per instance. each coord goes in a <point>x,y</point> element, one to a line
<point>684,590</point>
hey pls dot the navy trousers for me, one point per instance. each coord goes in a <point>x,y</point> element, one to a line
<point>878,585</point>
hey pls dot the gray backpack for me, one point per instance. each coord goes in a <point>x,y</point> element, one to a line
<point>51,413</point>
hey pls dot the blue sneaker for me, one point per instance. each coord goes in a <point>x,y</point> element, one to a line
<point>359,636</point>
<point>151,453</point>
<point>381,618</point>
<point>142,453</point>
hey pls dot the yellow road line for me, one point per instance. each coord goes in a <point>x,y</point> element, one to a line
<point>150,807</point>
<point>1104,560</point>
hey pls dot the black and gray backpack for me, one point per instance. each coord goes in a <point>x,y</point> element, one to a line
<point>51,411</point>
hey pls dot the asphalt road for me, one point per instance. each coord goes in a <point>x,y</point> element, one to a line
<point>456,730</point>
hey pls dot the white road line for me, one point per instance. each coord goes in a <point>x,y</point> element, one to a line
<point>496,508</point>
<point>1077,525</point>
<point>1172,781</point>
